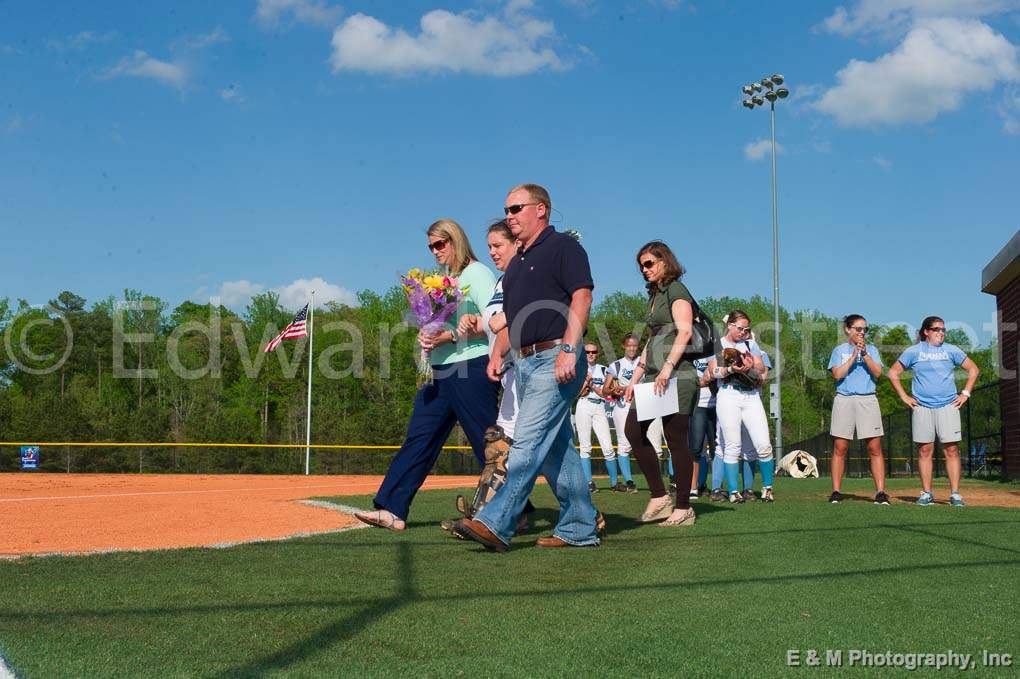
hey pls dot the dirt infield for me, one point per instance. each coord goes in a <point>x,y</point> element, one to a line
<point>975,497</point>
<point>87,513</point>
<point>82,513</point>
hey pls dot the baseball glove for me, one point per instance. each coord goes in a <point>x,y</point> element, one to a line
<point>586,387</point>
<point>611,389</point>
<point>497,450</point>
<point>732,357</point>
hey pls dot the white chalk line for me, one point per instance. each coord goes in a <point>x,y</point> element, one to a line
<point>344,488</point>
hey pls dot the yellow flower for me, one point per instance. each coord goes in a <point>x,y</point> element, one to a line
<point>434,282</point>
<point>414,273</point>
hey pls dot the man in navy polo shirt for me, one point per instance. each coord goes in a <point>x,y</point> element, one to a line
<point>546,297</point>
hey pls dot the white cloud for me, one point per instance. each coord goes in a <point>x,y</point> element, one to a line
<point>893,16</point>
<point>508,45</point>
<point>882,162</point>
<point>235,294</point>
<point>296,294</point>
<point>270,13</point>
<point>81,41</point>
<point>938,62</point>
<point>141,65</point>
<point>758,149</point>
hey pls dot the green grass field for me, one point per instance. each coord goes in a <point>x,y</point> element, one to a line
<point>725,598</point>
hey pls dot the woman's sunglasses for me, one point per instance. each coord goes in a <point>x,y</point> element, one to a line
<point>436,246</point>
<point>648,264</point>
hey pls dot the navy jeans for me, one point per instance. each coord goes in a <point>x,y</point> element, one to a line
<point>460,392</point>
<point>702,431</point>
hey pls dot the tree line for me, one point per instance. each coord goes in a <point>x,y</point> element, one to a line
<point>134,370</point>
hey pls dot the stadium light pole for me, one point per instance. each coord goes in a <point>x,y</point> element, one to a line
<point>773,90</point>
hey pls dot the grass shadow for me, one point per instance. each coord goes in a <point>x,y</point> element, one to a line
<point>339,631</point>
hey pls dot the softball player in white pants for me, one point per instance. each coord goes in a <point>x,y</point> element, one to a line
<point>591,414</point>
<point>740,404</point>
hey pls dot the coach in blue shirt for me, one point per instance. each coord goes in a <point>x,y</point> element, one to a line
<point>546,297</point>
<point>935,403</point>
<point>856,367</point>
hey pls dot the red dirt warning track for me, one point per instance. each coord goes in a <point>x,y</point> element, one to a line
<point>81,513</point>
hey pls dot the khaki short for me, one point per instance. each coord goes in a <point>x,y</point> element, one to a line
<point>856,413</point>
<point>943,422</point>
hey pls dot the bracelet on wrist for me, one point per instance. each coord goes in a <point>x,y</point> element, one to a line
<point>454,337</point>
<point>965,393</point>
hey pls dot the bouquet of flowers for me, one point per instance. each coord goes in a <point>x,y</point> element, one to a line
<point>433,298</point>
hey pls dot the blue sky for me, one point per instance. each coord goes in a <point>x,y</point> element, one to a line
<point>194,149</point>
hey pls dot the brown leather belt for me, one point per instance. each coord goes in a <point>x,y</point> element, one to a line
<point>541,346</point>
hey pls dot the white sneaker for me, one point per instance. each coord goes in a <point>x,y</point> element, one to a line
<point>766,494</point>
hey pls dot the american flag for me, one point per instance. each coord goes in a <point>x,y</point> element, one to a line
<point>293,331</point>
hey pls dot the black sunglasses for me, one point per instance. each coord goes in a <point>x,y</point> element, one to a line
<point>860,329</point>
<point>591,352</point>
<point>648,264</point>
<point>938,329</point>
<point>514,209</point>
<point>438,245</point>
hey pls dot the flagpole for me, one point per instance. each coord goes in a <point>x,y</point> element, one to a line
<point>308,425</point>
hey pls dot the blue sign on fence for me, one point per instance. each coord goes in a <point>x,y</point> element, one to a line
<point>29,457</point>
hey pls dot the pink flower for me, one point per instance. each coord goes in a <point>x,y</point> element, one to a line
<point>437,295</point>
<point>448,282</point>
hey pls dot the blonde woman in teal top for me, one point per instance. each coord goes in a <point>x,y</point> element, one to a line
<point>460,391</point>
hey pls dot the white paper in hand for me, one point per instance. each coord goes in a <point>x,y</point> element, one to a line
<point>649,406</point>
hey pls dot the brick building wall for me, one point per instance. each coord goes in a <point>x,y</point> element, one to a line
<point>1008,303</point>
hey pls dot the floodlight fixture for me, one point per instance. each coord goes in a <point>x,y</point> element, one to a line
<point>771,96</point>
<point>765,82</point>
<point>747,89</point>
<point>748,103</point>
<point>778,79</point>
<point>783,93</point>
<point>758,101</point>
